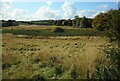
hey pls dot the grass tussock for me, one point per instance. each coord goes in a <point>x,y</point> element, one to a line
<point>72,57</point>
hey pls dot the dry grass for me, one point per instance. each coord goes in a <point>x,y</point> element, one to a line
<point>41,55</point>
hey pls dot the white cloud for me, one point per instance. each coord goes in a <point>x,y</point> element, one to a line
<point>43,13</point>
<point>88,13</point>
<point>19,14</point>
<point>46,13</point>
<point>16,14</point>
<point>69,10</point>
<point>103,6</point>
<point>4,6</point>
<point>49,3</point>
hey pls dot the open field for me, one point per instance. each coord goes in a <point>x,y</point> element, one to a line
<point>46,31</point>
<point>58,57</point>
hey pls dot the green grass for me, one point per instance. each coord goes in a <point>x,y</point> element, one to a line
<point>56,58</point>
<point>47,32</point>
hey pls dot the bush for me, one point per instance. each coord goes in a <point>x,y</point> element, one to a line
<point>6,65</point>
<point>57,29</point>
<point>73,73</point>
<point>59,70</point>
<point>38,78</point>
<point>36,60</point>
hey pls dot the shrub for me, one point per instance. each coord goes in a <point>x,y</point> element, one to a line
<point>6,65</point>
<point>36,60</point>
<point>73,73</point>
<point>57,29</point>
<point>38,78</point>
<point>59,70</point>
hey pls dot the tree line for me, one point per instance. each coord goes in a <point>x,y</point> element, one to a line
<point>8,23</point>
<point>76,22</point>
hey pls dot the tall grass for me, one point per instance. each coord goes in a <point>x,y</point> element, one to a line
<point>47,32</point>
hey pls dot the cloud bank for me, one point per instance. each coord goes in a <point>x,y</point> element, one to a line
<point>67,11</point>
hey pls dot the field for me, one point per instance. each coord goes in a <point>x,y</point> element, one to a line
<point>48,55</point>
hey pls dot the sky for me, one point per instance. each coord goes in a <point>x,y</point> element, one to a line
<point>45,10</point>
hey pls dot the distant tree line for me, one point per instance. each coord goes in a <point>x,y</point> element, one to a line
<point>8,23</point>
<point>76,22</point>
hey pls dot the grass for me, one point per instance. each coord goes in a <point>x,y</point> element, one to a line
<point>65,57</point>
<point>50,61</point>
<point>47,32</point>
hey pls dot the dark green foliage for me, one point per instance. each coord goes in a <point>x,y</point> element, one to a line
<point>59,70</point>
<point>40,22</point>
<point>62,22</point>
<point>74,73</point>
<point>106,21</point>
<point>109,68</point>
<point>78,23</point>
<point>47,32</point>
<point>59,23</point>
<point>114,32</point>
<point>38,78</point>
<point>114,54</point>
<point>103,21</point>
<point>69,22</point>
<point>118,5</point>
<point>84,22</point>
<point>9,23</point>
<point>65,23</point>
<point>74,22</point>
<point>36,60</point>
<point>57,29</point>
<point>6,65</point>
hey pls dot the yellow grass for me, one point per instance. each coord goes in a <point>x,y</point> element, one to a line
<point>79,51</point>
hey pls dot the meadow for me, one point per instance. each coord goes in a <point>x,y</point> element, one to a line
<point>46,31</point>
<point>32,52</point>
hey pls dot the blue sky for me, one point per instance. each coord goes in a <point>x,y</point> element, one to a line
<point>53,10</point>
<point>33,6</point>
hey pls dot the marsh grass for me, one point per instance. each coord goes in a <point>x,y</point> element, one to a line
<point>47,32</point>
<point>65,57</point>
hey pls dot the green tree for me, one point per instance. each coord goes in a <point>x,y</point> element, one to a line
<point>74,23</point>
<point>101,21</point>
<point>84,22</point>
<point>59,23</point>
<point>69,22</point>
<point>114,31</point>
<point>65,23</point>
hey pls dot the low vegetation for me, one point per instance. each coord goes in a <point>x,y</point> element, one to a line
<point>44,58</point>
<point>68,52</point>
<point>57,29</point>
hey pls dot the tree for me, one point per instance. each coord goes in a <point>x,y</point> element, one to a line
<point>114,31</point>
<point>69,22</point>
<point>59,23</point>
<point>65,23</point>
<point>89,23</point>
<point>84,22</point>
<point>9,22</point>
<point>110,22</point>
<point>101,22</point>
<point>119,5</point>
<point>74,23</point>
<point>76,17</point>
